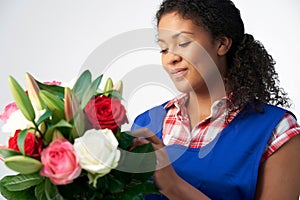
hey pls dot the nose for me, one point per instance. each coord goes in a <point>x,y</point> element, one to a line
<point>172,58</point>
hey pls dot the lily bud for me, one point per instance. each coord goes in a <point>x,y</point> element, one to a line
<point>57,135</point>
<point>51,100</point>
<point>21,99</point>
<point>33,91</point>
<point>108,86</point>
<point>119,87</point>
<point>23,164</point>
<point>71,104</point>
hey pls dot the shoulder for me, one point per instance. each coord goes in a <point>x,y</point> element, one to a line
<point>262,112</point>
<point>269,107</point>
<point>286,129</point>
<point>287,120</point>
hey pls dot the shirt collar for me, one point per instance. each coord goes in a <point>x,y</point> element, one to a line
<point>218,107</point>
<point>180,100</point>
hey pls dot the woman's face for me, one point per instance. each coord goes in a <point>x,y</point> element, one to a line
<point>189,54</point>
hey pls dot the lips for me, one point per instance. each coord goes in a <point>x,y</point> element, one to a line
<point>178,72</point>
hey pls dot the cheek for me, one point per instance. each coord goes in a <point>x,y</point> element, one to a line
<point>197,56</point>
<point>201,60</point>
<point>164,60</point>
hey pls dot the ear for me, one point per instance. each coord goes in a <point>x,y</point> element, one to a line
<point>224,45</point>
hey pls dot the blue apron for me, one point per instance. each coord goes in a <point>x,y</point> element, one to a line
<point>226,168</point>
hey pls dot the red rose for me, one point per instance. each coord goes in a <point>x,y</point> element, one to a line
<point>32,144</point>
<point>103,112</point>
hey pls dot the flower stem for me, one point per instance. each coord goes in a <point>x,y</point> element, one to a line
<point>37,129</point>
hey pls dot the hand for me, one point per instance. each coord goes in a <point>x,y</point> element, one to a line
<point>165,176</point>
<point>166,179</point>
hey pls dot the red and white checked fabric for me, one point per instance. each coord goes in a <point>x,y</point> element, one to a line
<point>177,129</point>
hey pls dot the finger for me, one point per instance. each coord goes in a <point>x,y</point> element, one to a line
<point>162,159</point>
<point>148,135</point>
<point>138,142</point>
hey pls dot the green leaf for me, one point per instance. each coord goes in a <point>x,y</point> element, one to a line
<point>21,182</point>
<point>114,185</point>
<point>52,101</point>
<point>39,191</point>
<point>139,191</point>
<point>113,93</point>
<point>132,196</point>
<point>54,89</point>
<point>21,140</point>
<point>82,84</point>
<point>8,153</point>
<point>80,189</point>
<point>141,160</point>
<point>145,162</point>
<point>79,125</point>
<point>55,117</point>
<point>102,184</point>
<point>46,115</point>
<point>124,139</point>
<point>116,94</point>
<point>145,148</point>
<point>17,195</point>
<point>148,188</point>
<point>49,133</point>
<point>124,177</point>
<point>21,99</point>
<point>91,90</point>
<point>51,191</point>
<point>23,164</point>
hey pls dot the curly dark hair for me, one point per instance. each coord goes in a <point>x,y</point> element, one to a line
<point>251,78</point>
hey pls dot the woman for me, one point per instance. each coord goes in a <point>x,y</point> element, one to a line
<point>225,137</point>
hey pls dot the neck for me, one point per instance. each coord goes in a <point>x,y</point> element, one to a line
<point>199,105</point>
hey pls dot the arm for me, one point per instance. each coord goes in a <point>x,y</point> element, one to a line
<point>279,176</point>
<point>166,179</point>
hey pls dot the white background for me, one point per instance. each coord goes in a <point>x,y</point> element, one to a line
<point>52,39</point>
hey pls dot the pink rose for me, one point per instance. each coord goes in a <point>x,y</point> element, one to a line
<point>8,110</point>
<point>60,162</point>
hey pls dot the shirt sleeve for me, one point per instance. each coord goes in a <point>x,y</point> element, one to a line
<point>286,129</point>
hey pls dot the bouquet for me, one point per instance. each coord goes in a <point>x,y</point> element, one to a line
<point>67,143</point>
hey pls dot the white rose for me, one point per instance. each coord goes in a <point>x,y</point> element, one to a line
<point>98,152</point>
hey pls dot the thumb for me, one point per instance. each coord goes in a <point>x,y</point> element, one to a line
<point>162,159</point>
<point>148,135</point>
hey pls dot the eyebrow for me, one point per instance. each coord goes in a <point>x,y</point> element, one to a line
<point>176,35</point>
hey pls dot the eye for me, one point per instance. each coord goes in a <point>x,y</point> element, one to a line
<point>184,44</point>
<point>164,50</point>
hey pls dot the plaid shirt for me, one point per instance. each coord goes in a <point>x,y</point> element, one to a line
<point>177,128</point>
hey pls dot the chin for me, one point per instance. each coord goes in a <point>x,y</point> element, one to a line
<point>183,87</point>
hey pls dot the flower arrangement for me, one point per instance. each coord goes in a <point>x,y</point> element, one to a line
<point>67,143</point>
